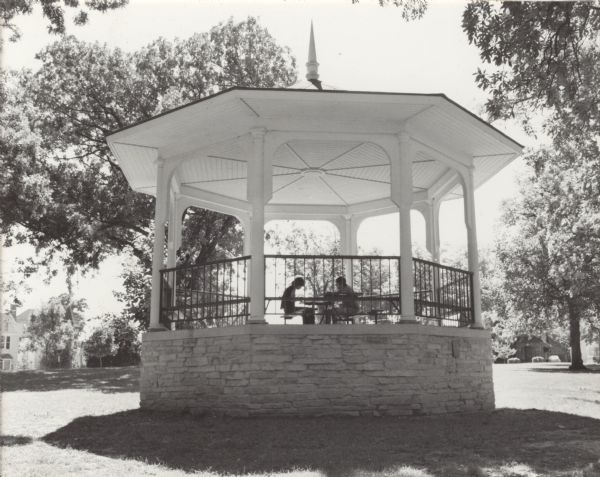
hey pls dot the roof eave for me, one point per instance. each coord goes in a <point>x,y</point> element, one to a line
<point>517,147</point>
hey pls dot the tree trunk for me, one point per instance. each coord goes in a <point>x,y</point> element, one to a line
<point>101,360</point>
<point>575,338</point>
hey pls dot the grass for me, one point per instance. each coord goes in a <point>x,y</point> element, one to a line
<point>87,423</point>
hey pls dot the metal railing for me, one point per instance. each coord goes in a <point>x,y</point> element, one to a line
<point>216,294</point>
<point>443,294</point>
<point>209,295</point>
<point>374,279</point>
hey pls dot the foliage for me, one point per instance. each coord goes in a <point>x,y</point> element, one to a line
<point>61,188</point>
<point>210,236</point>
<point>135,295</point>
<point>544,55</point>
<point>53,11</point>
<point>545,61</point>
<point>55,329</point>
<point>549,251</point>
<point>206,236</point>
<point>303,238</point>
<point>100,343</point>
<point>114,338</point>
<point>411,9</point>
<point>127,338</point>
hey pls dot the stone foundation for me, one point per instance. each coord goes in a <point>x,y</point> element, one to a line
<point>318,370</point>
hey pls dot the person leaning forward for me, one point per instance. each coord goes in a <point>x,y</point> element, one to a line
<point>288,303</point>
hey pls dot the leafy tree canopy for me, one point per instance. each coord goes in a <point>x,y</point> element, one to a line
<point>60,187</point>
<point>411,9</point>
<point>206,236</point>
<point>100,343</point>
<point>53,11</point>
<point>549,251</point>
<point>54,330</point>
<point>542,56</point>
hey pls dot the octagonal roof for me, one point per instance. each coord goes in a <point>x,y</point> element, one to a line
<point>330,155</point>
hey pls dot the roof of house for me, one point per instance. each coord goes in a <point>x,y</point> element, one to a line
<point>25,316</point>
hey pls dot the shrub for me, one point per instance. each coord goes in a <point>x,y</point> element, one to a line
<point>537,359</point>
<point>99,344</point>
<point>513,360</point>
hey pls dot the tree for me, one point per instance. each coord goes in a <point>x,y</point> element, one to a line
<point>61,189</point>
<point>206,236</point>
<point>544,56</point>
<point>411,9</point>
<point>544,60</point>
<point>549,251</point>
<point>53,11</point>
<point>296,238</point>
<point>55,330</point>
<point>100,344</point>
<point>126,337</point>
<point>115,337</point>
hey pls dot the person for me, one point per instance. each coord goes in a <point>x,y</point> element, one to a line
<point>288,303</point>
<point>346,305</point>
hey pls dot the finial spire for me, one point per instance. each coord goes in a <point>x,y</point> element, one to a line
<point>312,67</point>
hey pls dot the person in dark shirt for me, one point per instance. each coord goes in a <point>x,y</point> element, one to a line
<point>346,304</point>
<point>288,303</point>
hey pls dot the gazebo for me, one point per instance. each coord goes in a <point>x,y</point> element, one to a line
<point>312,152</point>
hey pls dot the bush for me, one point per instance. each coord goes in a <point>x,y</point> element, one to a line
<point>115,341</point>
<point>513,360</point>
<point>554,359</point>
<point>537,359</point>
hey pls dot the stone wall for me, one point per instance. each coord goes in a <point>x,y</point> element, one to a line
<point>317,370</point>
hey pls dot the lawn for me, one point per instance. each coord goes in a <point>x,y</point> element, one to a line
<point>86,423</point>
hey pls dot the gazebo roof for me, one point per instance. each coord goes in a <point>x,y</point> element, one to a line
<point>330,157</point>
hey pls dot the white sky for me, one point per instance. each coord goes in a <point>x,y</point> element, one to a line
<point>359,47</point>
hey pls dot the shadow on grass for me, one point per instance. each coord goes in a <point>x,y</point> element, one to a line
<point>109,380</point>
<point>9,441</point>
<point>445,445</point>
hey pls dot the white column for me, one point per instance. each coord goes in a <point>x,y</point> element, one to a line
<point>246,226</point>
<point>469,195</point>
<point>431,213</point>
<point>174,237</point>
<point>160,216</point>
<point>348,242</point>
<point>402,196</point>
<point>256,198</point>
<point>179,210</point>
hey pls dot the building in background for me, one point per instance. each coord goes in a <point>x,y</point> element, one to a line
<point>529,347</point>
<point>12,333</point>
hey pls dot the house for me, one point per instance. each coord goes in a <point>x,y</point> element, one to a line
<point>28,359</point>
<point>529,347</point>
<point>12,332</point>
<point>13,354</point>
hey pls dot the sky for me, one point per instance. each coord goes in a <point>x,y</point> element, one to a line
<point>359,47</point>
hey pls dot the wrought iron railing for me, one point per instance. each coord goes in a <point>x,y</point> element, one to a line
<point>213,294</point>
<point>443,295</point>
<point>374,279</point>
<point>216,294</point>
